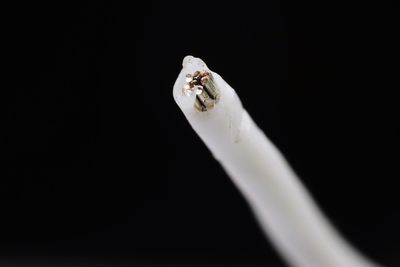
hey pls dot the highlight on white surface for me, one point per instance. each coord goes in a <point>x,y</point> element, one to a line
<point>282,205</point>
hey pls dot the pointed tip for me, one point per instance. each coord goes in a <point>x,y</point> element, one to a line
<point>187,60</point>
<point>190,62</point>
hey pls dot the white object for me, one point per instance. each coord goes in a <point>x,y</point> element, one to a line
<point>282,205</point>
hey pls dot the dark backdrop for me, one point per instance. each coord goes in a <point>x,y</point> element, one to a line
<point>100,166</point>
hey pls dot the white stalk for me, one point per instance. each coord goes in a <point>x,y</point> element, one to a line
<point>282,205</point>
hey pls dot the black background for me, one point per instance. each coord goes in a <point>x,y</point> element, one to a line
<point>100,165</point>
